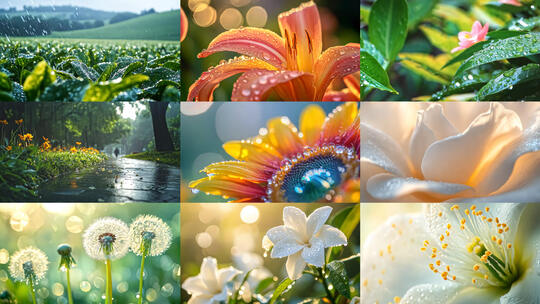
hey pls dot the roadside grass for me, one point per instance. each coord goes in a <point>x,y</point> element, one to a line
<point>169,158</point>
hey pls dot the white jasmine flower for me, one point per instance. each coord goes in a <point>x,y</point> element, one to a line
<point>473,152</point>
<point>454,254</point>
<point>249,261</point>
<point>28,264</point>
<point>303,239</point>
<point>106,238</point>
<point>152,230</point>
<point>209,286</point>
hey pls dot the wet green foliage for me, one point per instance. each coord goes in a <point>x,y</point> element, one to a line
<point>501,67</point>
<point>169,158</point>
<point>82,70</point>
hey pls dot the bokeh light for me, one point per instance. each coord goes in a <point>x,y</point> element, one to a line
<point>203,239</point>
<point>58,289</point>
<point>240,3</point>
<point>58,208</point>
<point>4,256</point>
<point>256,16</point>
<point>74,224</point>
<point>194,108</point>
<point>231,18</point>
<point>249,214</point>
<point>205,17</point>
<point>18,221</point>
<point>198,5</point>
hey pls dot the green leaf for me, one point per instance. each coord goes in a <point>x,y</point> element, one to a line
<point>38,80</point>
<point>455,15</point>
<point>106,91</point>
<point>439,39</point>
<point>491,15</point>
<point>364,13</point>
<point>345,220</point>
<point>130,69</point>
<point>502,34</point>
<point>107,72</point>
<point>513,47</point>
<point>338,277</point>
<point>524,24</point>
<point>507,8</point>
<point>468,52</point>
<point>5,83</point>
<point>418,9</point>
<point>507,80</point>
<point>372,50</point>
<point>428,66</point>
<point>465,84</point>
<point>171,94</point>
<point>6,96</point>
<point>388,26</point>
<point>282,287</point>
<point>263,285</point>
<point>373,74</point>
<point>65,90</point>
<point>82,70</point>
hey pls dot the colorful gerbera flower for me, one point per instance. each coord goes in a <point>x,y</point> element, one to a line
<point>283,164</point>
<point>292,66</point>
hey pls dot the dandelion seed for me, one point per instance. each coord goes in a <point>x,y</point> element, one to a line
<point>106,238</point>
<point>29,265</point>
<point>152,231</point>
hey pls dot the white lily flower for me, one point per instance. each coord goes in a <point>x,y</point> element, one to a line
<point>209,286</point>
<point>459,152</point>
<point>454,254</point>
<point>303,239</point>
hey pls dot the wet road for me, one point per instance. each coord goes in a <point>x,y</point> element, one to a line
<point>116,180</point>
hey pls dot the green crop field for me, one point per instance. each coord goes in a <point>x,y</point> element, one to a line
<point>45,69</point>
<point>160,26</point>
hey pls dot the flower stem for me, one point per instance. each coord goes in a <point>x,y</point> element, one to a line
<point>328,292</point>
<point>70,298</point>
<point>109,282</point>
<point>31,283</point>
<point>141,279</point>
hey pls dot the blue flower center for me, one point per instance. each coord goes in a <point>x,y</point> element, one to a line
<point>312,179</point>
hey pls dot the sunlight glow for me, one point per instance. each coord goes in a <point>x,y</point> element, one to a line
<point>249,214</point>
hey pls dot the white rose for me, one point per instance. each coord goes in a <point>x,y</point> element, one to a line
<point>481,152</point>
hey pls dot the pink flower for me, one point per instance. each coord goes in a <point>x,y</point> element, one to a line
<point>510,2</point>
<point>477,34</point>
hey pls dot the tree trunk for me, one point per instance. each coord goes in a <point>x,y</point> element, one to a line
<point>162,137</point>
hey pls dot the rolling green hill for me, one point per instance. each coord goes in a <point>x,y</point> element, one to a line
<point>160,26</point>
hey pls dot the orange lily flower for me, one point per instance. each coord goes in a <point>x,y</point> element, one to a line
<point>183,25</point>
<point>3,122</point>
<point>293,66</point>
<point>9,148</point>
<point>18,122</point>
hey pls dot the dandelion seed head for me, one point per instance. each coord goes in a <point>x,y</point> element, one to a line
<point>106,238</point>
<point>150,229</point>
<point>28,263</point>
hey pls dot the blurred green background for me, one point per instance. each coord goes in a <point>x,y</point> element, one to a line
<point>227,231</point>
<point>45,226</point>
<point>206,126</point>
<point>208,18</point>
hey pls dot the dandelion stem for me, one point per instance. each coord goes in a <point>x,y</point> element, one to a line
<point>141,279</point>
<point>31,283</point>
<point>328,292</point>
<point>70,298</point>
<point>109,282</point>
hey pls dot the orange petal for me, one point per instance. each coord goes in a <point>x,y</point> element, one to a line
<point>254,151</point>
<point>301,29</point>
<point>203,88</point>
<point>336,62</point>
<point>311,122</point>
<point>229,187</point>
<point>256,85</point>
<point>255,42</point>
<point>241,170</point>
<point>343,95</point>
<point>341,119</point>
<point>284,136</point>
<point>183,25</point>
<point>352,82</point>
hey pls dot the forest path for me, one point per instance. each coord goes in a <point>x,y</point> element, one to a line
<point>116,180</point>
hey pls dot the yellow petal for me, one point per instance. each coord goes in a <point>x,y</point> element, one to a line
<point>311,122</point>
<point>284,137</point>
<point>253,151</point>
<point>340,120</point>
<point>229,187</point>
<point>241,170</point>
